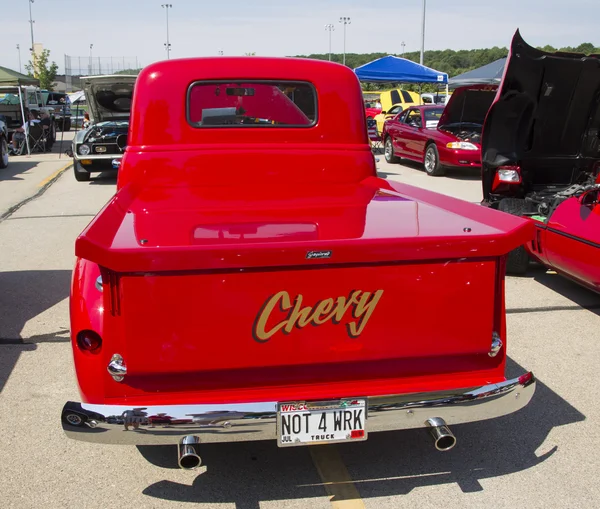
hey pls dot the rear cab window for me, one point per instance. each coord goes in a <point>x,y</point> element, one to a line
<point>251,104</point>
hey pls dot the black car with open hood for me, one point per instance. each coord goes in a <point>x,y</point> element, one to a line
<point>541,137</point>
<point>100,147</point>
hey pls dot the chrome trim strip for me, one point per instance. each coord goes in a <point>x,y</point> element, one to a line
<point>157,425</point>
<point>98,157</point>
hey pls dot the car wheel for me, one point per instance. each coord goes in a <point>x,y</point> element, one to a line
<point>81,174</point>
<point>3,153</point>
<point>388,150</point>
<point>432,161</point>
<point>67,125</point>
<point>518,259</point>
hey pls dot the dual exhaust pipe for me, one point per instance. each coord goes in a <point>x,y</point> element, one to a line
<point>189,459</point>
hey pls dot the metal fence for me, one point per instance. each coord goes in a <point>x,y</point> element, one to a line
<point>93,66</point>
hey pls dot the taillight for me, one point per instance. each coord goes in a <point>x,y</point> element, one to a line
<point>89,341</point>
<point>507,175</point>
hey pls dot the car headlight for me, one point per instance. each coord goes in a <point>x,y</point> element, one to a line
<point>83,150</point>
<point>462,145</point>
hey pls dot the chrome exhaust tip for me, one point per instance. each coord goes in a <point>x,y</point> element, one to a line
<point>188,455</point>
<point>443,438</point>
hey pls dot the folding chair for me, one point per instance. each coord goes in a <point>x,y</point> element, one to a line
<point>37,138</point>
<point>374,135</point>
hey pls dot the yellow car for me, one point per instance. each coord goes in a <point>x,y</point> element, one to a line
<point>384,115</point>
<point>390,98</point>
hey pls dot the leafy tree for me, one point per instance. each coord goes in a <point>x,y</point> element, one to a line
<point>42,70</point>
<point>452,62</point>
<point>129,71</point>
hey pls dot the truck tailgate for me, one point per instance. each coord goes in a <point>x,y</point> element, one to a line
<point>260,328</point>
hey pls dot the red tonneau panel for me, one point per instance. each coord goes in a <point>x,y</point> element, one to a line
<point>178,229</point>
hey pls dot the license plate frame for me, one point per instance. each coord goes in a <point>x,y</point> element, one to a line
<point>287,425</point>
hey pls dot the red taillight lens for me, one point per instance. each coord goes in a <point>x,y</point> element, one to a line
<point>507,175</point>
<point>89,341</point>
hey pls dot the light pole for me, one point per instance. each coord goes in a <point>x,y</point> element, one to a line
<point>19,51</point>
<point>168,44</point>
<point>423,34</point>
<point>330,28</point>
<point>91,46</point>
<point>403,44</point>
<point>345,21</point>
<point>31,22</point>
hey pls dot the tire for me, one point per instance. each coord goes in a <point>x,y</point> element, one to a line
<point>431,162</point>
<point>81,174</point>
<point>67,124</point>
<point>388,150</point>
<point>3,153</point>
<point>518,259</point>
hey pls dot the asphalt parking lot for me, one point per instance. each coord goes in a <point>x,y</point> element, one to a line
<point>542,456</point>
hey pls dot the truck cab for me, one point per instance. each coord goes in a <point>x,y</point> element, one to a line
<point>254,279</point>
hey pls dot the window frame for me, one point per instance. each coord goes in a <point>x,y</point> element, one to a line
<point>241,82</point>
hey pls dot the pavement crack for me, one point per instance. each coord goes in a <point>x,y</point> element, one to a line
<point>50,217</point>
<point>40,192</point>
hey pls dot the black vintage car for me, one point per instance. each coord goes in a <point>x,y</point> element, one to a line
<point>100,147</point>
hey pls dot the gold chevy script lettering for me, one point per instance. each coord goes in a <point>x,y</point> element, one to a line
<point>362,304</point>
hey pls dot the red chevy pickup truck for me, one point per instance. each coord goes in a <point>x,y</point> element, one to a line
<point>253,278</point>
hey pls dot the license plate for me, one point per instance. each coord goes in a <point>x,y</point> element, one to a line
<point>302,423</point>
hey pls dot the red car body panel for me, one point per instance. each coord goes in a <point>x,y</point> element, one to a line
<point>246,264</point>
<point>570,242</point>
<point>372,112</point>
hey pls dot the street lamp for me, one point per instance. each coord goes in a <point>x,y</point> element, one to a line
<point>345,21</point>
<point>167,44</point>
<point>31,22</point>
<point>19,51</point>
<point>403,44</point>
<point>423,34</point>
<point>91,46</point>
<point>330,28</point>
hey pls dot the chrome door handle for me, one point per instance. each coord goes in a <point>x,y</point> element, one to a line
<point>116,368</point>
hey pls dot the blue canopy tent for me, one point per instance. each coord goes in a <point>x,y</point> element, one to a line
<point>393,69</point>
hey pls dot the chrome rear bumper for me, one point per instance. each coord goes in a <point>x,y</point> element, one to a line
<point>158,425</point>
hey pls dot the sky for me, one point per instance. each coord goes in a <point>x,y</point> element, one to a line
<point>137,28</point>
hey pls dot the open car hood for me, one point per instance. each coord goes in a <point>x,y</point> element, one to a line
<point>545,117</point>
<point>468,104</point>
<point>109,97</point>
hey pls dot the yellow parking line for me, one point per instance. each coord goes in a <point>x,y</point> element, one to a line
<point>55,174</point>
<point>336,479</point>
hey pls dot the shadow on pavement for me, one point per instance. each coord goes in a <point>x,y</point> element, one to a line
<point>106,178</point>
<point>26,294</point>
<point>16,166</point>
<point>584,298</point>
<point>9,356</point>
<point>387,464</point>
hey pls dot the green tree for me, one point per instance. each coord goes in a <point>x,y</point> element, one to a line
<point>41,69</point>
<point>129,71</point>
